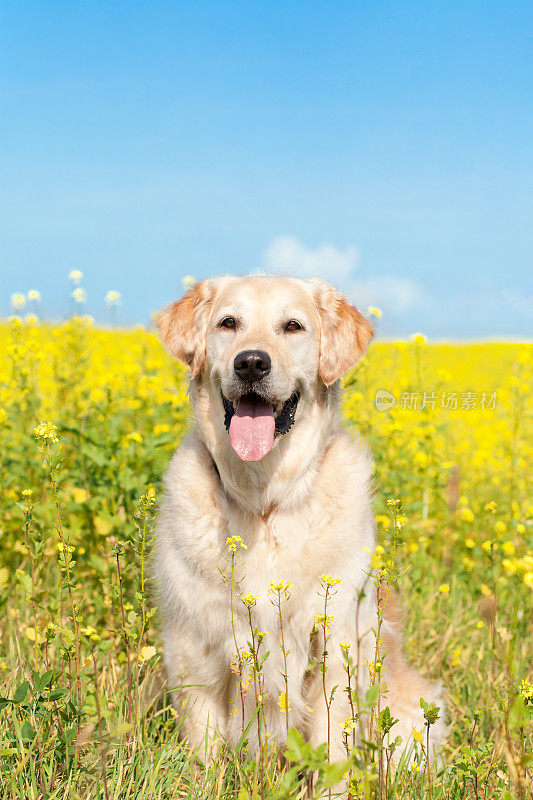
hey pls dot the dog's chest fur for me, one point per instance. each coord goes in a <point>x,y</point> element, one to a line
<point>322,535</point>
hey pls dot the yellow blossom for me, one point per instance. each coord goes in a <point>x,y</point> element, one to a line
<point>80,495</point>
<point>526,690</point>
<point>418,338</point>
<point>146,652</point>
<point>18,301</point>
<point>329,581</point>
<point>421,459</point>
<point>466,514</point>
<point>468,563</point>
<point>250,599</point>
<point>46,433</point>
<point>113,298</point>
<point>280,587</point>
<point>282,702</point>
<point>33,636</point>
<point>91,633</point>
<point>323,621</point>
<point>233,542</point>
<point>349,725</point>
<point>76,276</point>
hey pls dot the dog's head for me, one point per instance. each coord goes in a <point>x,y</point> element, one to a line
<point>265,346</point>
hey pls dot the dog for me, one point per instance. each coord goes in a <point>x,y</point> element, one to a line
<point>268,462</point>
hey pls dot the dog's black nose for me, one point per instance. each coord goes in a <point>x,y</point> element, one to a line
<point>252,365</point>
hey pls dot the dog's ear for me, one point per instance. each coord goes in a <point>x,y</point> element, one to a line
<point>183,326</point>
<point>344,332</point>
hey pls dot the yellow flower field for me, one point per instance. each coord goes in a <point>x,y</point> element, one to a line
<point>452,433</point>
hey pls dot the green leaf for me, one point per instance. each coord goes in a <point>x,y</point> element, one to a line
<point>42,681</point>
<point>244,734</point>
<point>386,720</point>
<point>98,457</point>
<point>120,730</point>
<point>371,697</point>
<point>4,576</point>
<point>21,691</point>
<point>431,711</point>
<point>333,773</point>
<point>27,732</point>
<point>67,634</point>
<point>24,580</point>
<point>295,745</point>
<point>68,736</point>
<point>59,693</point>
<point>517,715</point>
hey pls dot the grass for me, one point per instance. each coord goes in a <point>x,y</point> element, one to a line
<point>83,707</point>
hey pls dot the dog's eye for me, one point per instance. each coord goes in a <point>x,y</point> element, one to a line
<point>292,326</point>
<point>228,323</point>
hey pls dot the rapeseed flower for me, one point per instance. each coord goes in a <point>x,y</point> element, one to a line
<point>250,599</point>
<point>233,542</point>
<point>329,581</point>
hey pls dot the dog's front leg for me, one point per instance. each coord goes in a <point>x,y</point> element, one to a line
<point>202,718</point>
<point>330,712</point>
<point>329,715</point>
<point>199,686</point>
<point>330,699</point>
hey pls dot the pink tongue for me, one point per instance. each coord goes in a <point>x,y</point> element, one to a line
<point>251,429</point>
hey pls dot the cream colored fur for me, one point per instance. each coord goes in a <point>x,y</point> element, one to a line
<point>304,510</point>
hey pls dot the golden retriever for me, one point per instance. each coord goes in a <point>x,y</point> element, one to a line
<point>268,461</point>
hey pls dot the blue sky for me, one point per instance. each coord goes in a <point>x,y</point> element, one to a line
<point>385,145</point>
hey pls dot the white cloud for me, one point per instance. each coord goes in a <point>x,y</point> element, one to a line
<point>393,295</point>
<point>485,310</point>
<point>287,254</point>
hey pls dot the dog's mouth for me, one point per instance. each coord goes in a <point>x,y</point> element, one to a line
<point>253,422</point>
